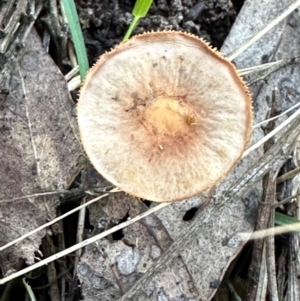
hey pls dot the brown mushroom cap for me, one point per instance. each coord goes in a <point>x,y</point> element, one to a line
<point>163,116</point>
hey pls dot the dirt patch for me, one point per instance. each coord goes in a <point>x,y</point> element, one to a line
<point>105,22</point>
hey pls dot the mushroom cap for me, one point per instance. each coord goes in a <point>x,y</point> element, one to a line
<point>163,116</point>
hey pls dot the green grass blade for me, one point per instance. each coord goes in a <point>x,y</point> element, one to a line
<point>70,12</point>
<point>29,290</point>
<point>131,28</point>
<point>140,10</point>
<point>283,219</point>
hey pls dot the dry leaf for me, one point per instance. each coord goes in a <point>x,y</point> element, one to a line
<point>38,146</point>
<point>114,264</point>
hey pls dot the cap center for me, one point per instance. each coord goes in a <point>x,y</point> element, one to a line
<point>169,116</point>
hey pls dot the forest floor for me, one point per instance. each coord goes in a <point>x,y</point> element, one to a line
<point>41,153</point>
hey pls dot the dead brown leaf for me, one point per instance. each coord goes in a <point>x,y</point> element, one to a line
<point>38,147</point>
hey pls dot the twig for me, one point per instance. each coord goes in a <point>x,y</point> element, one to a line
<point>273,68</point>
<point>72,73</point>
<point>282,272</point>
<point>270,231</point>
<point>62,267</point>
<point>233,291</point>
<point>270,252</point>
<point>288,175</point>
<point>52,22</point>
<point>79,235</point>
<point>286,200</point>
<point>262,249</point>
<point>271,134</point>
<point>49,249</point>
<point>55,220</point>
<point>82,244</point>
<point>74,83</point>
<point>65,192</point>
<point>259,250</point>
<point>277,116</point>
<point>266,66</point>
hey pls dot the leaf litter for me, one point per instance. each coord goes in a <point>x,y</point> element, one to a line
<point>39,147</point>
<point>214,283</point>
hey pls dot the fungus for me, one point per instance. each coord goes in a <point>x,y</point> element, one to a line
<point>163,116</point>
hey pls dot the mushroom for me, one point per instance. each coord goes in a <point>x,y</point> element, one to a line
<point>163,116</point>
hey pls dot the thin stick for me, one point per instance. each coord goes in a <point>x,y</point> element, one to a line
<point>74,83</point>
<point>271,231</point>
<point>79,235</point>
<point>82,244</point>
<point>288,175</point>
<point>286,200</point>
<point>264,31</point>
<point>56,220</point>
<point>271,134</point>
<point>277,116</point>
<point>72,73</point>
<point>270,260</point>
<point>35,195</point>
<point>266,66</point>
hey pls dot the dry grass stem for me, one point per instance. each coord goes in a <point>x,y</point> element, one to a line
<point>271,134</point>
<point>286,200</point>
<point>72,73</point>
<point>289,175</point>
<point>83,243</point>
<point>271,261</point>
<point>79,235</point>
<point>271,231</point>
<point>277,116</point>
<point>55,220</point>
<point>247,71</point>
<point>74,83</point>
<point>36,195</point>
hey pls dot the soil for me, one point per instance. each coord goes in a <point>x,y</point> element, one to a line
<point>105,22</point>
